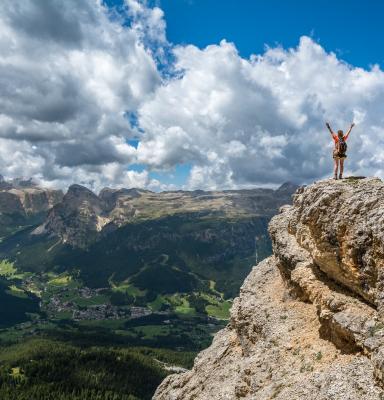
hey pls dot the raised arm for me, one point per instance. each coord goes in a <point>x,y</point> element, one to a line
<point>330,129</point>
<point>349,131</point>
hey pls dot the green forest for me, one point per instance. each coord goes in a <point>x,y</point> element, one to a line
<point>42,369</point>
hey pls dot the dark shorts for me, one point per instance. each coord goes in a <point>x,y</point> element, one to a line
<point>338,156</point>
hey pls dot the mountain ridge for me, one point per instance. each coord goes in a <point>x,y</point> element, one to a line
<point>82,215</point>
<point>121,240</point>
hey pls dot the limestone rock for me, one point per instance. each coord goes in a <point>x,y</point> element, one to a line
<point>308,322</point>
<point>26,199</point>
<point>77,219</point>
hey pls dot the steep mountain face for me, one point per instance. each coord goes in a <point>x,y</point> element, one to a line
<point>77,219</point>
<point>308,323</point>
<point>23,203</point>
<point>25,198</point>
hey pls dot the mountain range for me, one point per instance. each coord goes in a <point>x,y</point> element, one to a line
<point>120,234</point>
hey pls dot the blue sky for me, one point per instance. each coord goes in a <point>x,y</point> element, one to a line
<point>350,28</point>
<point>353,29</point>
<point>157,99</point>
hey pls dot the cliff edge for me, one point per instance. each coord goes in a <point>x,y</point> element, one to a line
<point>309,321</point>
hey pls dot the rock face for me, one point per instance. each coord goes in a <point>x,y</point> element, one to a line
<point>82,217</point>
<point>308,323</point>
<point>78,218</point>
<point>24,198</point>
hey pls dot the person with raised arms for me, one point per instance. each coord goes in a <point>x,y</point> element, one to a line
<point>340,149</point>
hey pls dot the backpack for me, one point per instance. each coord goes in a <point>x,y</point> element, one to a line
<point>341,147</point>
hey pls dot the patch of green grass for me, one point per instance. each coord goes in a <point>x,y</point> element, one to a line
<point>151,331</point>
<point>18,374</point>
<point>16,371</point>
<point>92,301</point>
<point>217,308</point>
<point>130,289</point>
<point>61,280</point>
<point>129,333</point>
<point>113,324</point>
<point>158,302</point>
<point>17,334</point>
<point>63,315</point>
<point>15,291</point>
<point>185,308</point>
<point>7,269</point>
<point>220,311</point>
<point>210,298</point>
<point>181,304</point>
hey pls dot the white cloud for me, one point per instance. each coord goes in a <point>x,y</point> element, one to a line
<point>71,71</point>
<point>149,22</point>
<point>261,121</point>
<point>68,75</point>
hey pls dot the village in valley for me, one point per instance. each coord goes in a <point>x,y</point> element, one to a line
<point>61,299</point>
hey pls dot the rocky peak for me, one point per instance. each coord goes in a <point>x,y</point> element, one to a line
<point>287,187</point>
<point>80,192</point>
<point>17,183</point>
<point>80,196</point>
<point>77,219</point>
<point>23,197</point>
<point>309,322</point>
<point>82,215</point>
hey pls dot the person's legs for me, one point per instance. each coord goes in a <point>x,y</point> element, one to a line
<point>336,167</point>
<point>341,168</point>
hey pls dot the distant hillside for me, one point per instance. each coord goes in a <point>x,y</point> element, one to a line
<point>119,236</point>
<point>82,217</point>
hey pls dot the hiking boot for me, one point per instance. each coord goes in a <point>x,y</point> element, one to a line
<point>335,177</point>
<point>340,176</point>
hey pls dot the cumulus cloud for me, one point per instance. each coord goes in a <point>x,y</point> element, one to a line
<point>149,22</point>
<point>72,74</point>
<point>69,74</point>
<point>245,122</point>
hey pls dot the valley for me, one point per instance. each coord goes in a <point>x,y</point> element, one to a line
<point>62,302</point>
<point>127,270</point>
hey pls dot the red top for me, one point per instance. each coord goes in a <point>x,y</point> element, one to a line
<point>336,138</point>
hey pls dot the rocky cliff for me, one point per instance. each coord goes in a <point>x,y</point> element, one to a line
<point>24,198</point>
<point>309,322</point>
